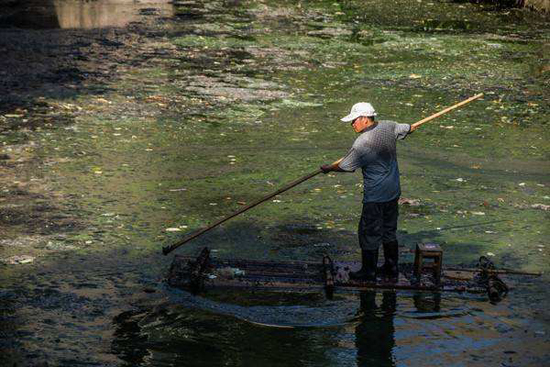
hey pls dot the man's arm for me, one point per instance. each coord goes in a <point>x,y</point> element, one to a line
<point>402,130</point>
<point>349,163</point>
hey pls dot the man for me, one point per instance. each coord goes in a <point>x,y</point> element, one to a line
<point>374,151</point>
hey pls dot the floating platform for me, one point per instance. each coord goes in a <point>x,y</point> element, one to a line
<point>197,274</point>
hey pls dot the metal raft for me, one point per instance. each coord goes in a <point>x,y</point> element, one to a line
<point>197,274</point>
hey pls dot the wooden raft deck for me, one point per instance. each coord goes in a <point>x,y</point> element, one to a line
<point>200,273</point>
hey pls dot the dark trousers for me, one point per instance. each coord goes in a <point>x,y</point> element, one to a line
<point>378,224</point>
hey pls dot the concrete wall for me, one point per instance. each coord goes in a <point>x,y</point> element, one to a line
<point>105,13</point>
<point>543,5</point>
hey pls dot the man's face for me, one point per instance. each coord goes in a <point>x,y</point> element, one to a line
<point>360,123</point>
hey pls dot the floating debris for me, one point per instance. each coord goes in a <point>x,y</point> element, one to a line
<point>59,246</point>
<point>18,259</point>
<point>410,202</point>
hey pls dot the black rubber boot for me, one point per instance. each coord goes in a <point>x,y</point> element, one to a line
<point>382,271</point>
<point>367,273</point>
<point>390,269</point>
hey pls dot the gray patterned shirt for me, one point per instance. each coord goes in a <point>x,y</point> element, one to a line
<point>374,151</point>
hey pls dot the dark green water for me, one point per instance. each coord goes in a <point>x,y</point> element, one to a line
<point>237,98</point>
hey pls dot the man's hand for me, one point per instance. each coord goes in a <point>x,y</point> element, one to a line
<point>333,167</point>
<point>327,168</point>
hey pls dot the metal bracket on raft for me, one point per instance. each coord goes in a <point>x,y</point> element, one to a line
<point>496,288</point>
<point>197,271</point>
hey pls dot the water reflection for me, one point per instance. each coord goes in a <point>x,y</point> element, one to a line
<point>427,302</point>
<point>374,336</point>
<point>70,14</point>
<point>380,329</point>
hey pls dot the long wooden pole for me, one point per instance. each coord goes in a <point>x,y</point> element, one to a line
<point>448,109</point>
<point>167,249</point>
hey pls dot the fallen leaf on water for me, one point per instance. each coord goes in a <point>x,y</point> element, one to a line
<point>173,230</point>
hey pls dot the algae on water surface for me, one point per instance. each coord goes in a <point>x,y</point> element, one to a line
<point>228,101</point>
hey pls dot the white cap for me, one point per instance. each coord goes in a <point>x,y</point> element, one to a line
<point>360,109</point>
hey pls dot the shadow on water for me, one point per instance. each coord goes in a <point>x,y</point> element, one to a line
<point>56,47</point>
<point>195,337</point>
<point>30,15</point>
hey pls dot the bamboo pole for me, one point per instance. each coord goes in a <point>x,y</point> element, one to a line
<point>448,109</point>
<point>166,250</point>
